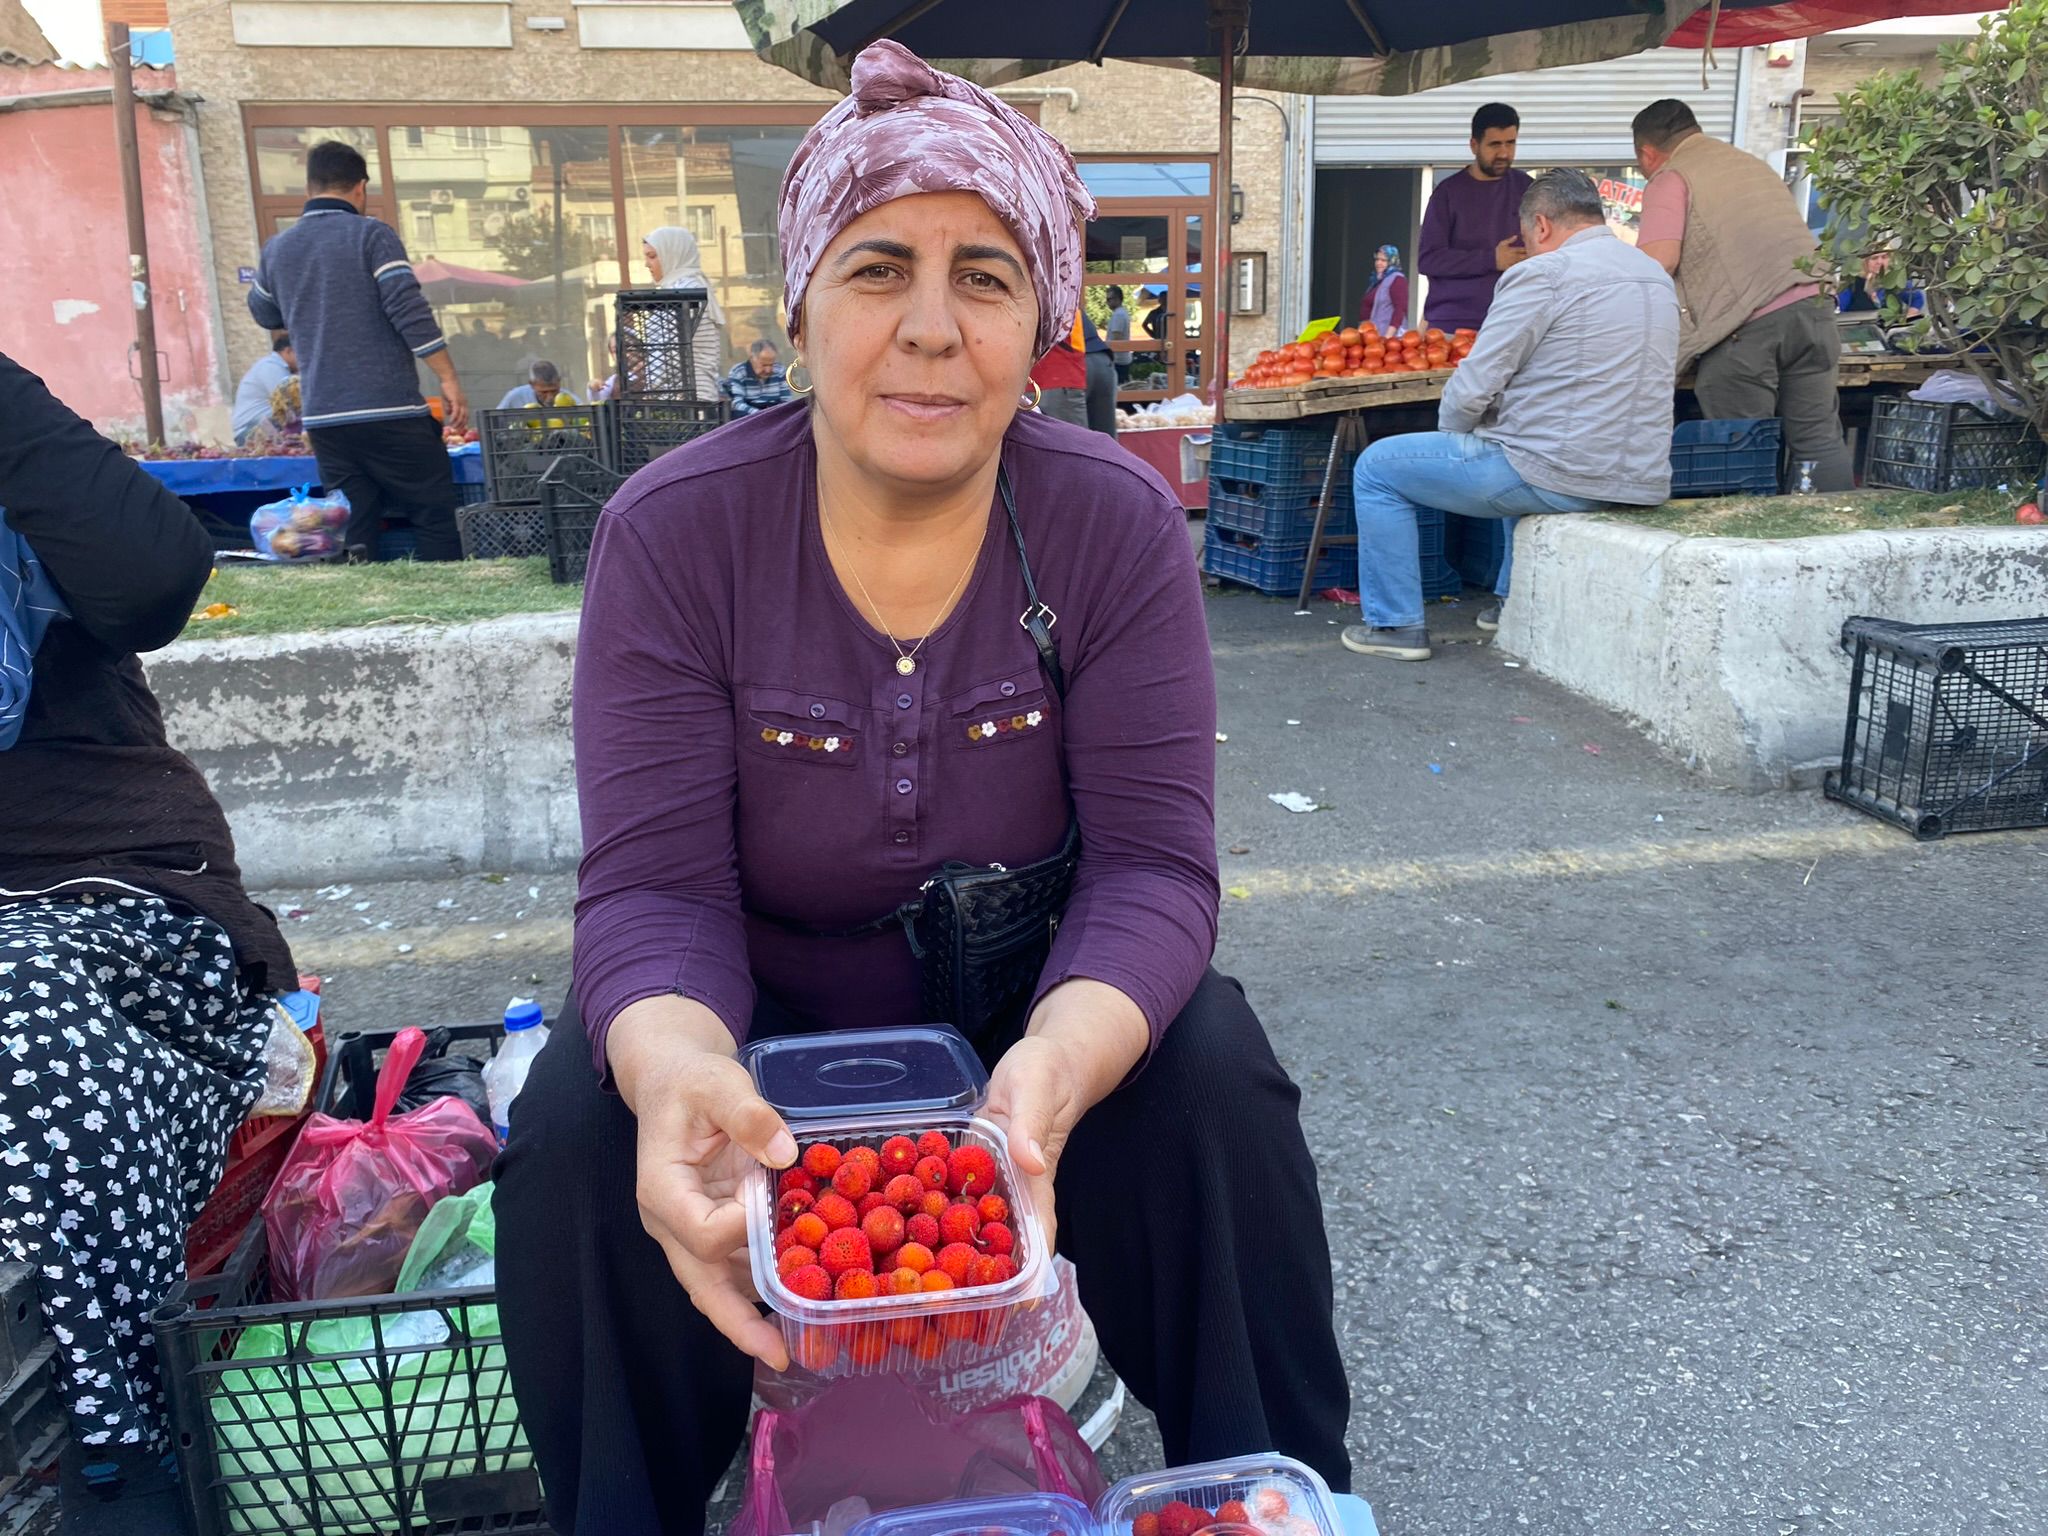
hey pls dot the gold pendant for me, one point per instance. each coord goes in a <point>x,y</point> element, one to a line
<point>906,665</point>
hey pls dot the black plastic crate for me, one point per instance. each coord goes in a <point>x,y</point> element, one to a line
<point>1271,565</point>
<point>643,430</point>
<point>1948,725</point>
<point>21,1317</point>
<point>1276,512</point>
<point>520,444</point>
<point>657,334</point>
<point>395,1433</point>
<point>1726,458</point>
<point>1930,445</point>
<point>32,1420</point>
<point>571,498</point>
<point>1279,456</point>
<point>493,532</point>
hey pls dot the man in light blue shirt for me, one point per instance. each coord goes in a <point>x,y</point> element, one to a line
<point>1564,405</point>
<point>252,395</point>
<point>543,386</point>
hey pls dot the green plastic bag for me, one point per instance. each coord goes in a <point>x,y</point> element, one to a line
<point>354,1415</point>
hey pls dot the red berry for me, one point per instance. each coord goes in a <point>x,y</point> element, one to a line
<point>1271,1504</point>
<point>853,1179</point>
<point>784,1241</point>
<point>997,1238</point>
<point>899,1155</point>
<point>854,1285</point>
<point>931,1172</point>
<point>791,1206</point>
<point>1005,1267</point>
<point>924,1229</point>
<point>994,1208</point>
<point>810,1229</point>
<point>960,1224</point>
<point>904,1282</point>
<point>869,1159</point>
<point>959,1325</point>
<point>1233,1512</point>
<point>904,1192</point>
<point>985,1270</point>
<point>930,1347</point>
<point>811,1282</point>
<point>934,1203</point>
<point>934,1144</point>
<point>1181,1519</point>
<point>1145,1525</point>
<point>835,1210</point>
<point>822,1160</point>
<point>935,1280</point>
<point>971,1171</point>
<point>956,1259</point>
<point>794,1259</point>
<point>871,1201</point>
<point>795,1178</point>
<point>884,1228</point>
<point>845,1250</point>
<point>914,1256</point>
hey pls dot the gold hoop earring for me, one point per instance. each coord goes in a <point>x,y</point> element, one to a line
<point>1036,395</point>
<point>789,378</point>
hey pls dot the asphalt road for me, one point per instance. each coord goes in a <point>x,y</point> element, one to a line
<point>1682,1151</point>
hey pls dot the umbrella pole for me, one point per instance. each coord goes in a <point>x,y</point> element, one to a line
<point>1227,19</point>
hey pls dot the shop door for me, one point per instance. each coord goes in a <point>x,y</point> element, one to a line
<point>1153,252</point>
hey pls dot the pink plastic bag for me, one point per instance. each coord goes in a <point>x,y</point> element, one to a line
<point>351,1196</point>
<point>872,1443</point>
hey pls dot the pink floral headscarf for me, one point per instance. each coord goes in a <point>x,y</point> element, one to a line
<point>908,128</point>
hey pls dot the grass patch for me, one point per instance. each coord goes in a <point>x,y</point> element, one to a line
<point>1801,517</point>
<point>288,599</point>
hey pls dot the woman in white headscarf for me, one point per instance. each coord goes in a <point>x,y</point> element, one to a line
<point>673,262</point>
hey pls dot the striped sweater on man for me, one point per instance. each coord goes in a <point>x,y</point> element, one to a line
<point>340,283</point>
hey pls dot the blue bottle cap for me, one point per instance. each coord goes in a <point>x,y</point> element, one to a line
<point>522,1016</point>
<point>925,1069</point>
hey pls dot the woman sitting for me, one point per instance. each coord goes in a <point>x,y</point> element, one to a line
<point>802,685</point>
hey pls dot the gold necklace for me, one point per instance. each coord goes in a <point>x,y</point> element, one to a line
<point>906,661</point>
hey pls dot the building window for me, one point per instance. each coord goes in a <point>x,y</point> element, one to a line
<point>280,155</point>
<point>701,220</point>
<point>423,233</point>
<point>415,138</point>
<point>1149,179</point>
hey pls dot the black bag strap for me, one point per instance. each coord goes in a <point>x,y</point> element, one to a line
<point>1037,619</point>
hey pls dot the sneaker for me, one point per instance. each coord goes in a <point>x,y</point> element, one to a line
<point>1489,618</point>
<point>1407,644</point>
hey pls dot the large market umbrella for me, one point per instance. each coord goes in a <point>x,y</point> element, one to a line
<point>1316,47</point>
<point>446,282</point>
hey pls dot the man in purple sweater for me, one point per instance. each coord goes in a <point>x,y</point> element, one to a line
<point>1471,232</point>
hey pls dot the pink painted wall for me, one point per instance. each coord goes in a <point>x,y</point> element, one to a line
<point>64,255</point>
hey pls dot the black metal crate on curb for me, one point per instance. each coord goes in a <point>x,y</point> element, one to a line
<point>657,330</point>
<point>1929,445</point>
<point>571,497</point>
<point>32,1421</point>
<point>521,443</point>
<point>494,532</point>
<point>643,430</point>
<point>369,1416</point>
<point>1948,725</point>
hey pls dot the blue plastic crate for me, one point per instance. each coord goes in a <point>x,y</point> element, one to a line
<point>467,465</point>
<point>1726,458</point>
<point>1272,512</point>
<point>1282,456</point>
<point>1476,547</point>
<point>1272,566</point>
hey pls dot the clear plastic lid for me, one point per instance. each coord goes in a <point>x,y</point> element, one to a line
<point>1024,1514</point>
<point>926,1069</point>
<point>1281,1497</point>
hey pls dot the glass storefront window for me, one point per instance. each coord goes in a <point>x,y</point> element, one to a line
<point>281,157</point>
<point>1153,179</point>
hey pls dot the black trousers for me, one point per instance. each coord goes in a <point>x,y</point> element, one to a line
<point>1211,1294</point>
<point>395,468</point>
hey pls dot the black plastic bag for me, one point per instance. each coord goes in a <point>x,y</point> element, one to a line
<point>440,1075</point>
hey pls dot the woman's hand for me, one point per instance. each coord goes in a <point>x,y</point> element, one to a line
<point>1082,1041</point>
<point>702,1126</point>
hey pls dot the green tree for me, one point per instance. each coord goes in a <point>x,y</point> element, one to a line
<point>527,242</point>
<point>1950,177</point>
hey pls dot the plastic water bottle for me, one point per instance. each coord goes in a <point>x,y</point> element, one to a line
<point>1805,486</point>
<point>505,1073</point>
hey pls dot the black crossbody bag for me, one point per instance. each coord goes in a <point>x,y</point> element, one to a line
<point>981,932</point>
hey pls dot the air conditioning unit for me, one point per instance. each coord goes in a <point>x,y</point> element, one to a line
<point>442,197</point>
<point>522,194</point>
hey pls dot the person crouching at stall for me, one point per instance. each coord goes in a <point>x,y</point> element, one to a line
<point>136,975</point>
<point>1563,405</point>
<point>802,685</point>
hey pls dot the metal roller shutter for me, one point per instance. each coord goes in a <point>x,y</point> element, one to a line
<point>1578,115</point>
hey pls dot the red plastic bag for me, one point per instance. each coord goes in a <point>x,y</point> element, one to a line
<point>871,1443</point>
<point>351,1195</point>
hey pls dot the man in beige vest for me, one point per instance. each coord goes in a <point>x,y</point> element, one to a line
<point>1757,332</point>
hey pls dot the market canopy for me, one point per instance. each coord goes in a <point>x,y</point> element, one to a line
<point>1318,47</point>
<point>444,282</point>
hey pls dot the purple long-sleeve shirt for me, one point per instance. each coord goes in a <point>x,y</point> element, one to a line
<point>1466,220</point>
<point>745,748</point>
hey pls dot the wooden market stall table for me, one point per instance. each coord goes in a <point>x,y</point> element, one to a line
<point>1161,448</point>
<point>1353,401</point>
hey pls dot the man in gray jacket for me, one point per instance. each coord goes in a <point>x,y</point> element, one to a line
<point>1563,406</point>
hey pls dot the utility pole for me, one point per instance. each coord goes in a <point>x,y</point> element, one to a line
<point>119,60</point>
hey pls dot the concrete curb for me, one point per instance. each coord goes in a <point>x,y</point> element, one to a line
<point>381,753</point>
<point>1727,651</point>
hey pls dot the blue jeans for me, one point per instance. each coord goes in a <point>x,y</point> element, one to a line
<point>1452,471</point>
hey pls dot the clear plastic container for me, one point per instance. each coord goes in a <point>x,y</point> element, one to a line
<point>859,1088</point>
<point>1281,1497</point>
<point>1027,1514</point>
